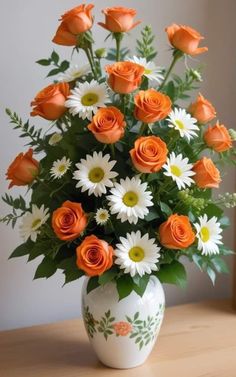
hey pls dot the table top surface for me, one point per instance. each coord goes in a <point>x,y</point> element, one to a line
<point>196,340</point>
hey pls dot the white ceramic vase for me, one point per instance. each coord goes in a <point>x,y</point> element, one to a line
<point>123,333</point>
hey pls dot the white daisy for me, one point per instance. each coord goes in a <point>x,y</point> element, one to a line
<point>130,200</point>
<point>86,98</point>
<point>179,169</point>
<point>60,167</point>
<point>95,174</point>
<point>32,221</point>
<point>152,72</point>
<point>181,121</point>
<point>102,215</point>
<point>208,235</point>
<point>54,139</point>
<point>136,254</point>
<point>74,72</point>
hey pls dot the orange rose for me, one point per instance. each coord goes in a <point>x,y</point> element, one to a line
<point>124,77</point>
<point>218,138</point>
<point>176,232</point>
<point>108,125</point>
<point>149,154</point>
<point>202,110</point>
<point>23,169</point>
<point>75,21</point>
<point>185,39</point>
<point>119,19</point>
<point>122,328</point>
<point>151,106</point>
<point>94,256</point>
<point>49,103</point>
<point>206,173</point>
<point>69,221</point>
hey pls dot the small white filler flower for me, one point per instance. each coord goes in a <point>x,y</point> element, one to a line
<point>102,216</point>
<point>60,167</point>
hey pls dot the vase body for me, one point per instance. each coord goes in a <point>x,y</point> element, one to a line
<point>123,333</point>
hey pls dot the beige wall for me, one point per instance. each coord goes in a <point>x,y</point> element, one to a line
<point>26,29</point>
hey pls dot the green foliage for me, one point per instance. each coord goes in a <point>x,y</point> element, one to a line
<point>46,268</point>
<point>179,87</point>
<point>54,60</point>
<point>111,55</point>
<point>16,204</point>
<point>210,265</point>
<point>145,47</point>
<point>173,273</point>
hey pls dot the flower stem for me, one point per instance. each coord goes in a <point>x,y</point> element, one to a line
<point>90,59</point>
<point>143,128</point>
<point>177,55</point>
<point>118,37</point>
<point>113,153</point>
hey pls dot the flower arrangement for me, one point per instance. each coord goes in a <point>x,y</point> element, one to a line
<point>124,186</point>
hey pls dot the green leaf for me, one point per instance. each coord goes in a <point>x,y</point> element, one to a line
<point>55,57</point>
<point>213,210</point>
<point>173,273</point>
<point>23,249</point>
<point>224,222</point>
<point>92,284</point>
<point>64,65</point>
<point>220,265</point>
<point>46,268</point>
<point>44,62</point>
<point>198,260</point>
<point>71,275</point>
<point>54,72</point>
<point>124,286</point>
<point>165,209</point>
<point>212,275</point>
<point>141,284</point>
<point>225,250</point>
<point>152,215</point>
<point>107,276</point>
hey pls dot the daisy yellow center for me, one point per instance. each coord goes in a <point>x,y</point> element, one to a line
<point>61,168</point>
<point>103,216</point>
<point>89,99</point>
<point>130,199</point>
<point>147,71</point>
<point>180,124</point>
<point>136,254</point>
<point>96,175</point>
<point>205,234</point>
<point>36,223</point>
<point>175,170</point>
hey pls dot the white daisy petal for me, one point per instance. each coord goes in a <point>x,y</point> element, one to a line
<point>208,235</point>
<point>74,72</point>
<point>137,254</point>
<point>60,167</point>
<point>32,221</point>
<point>86,98</point>
<point>130,200</point>
<point>181,121</point>
<point>151,71</point>
<point>179,169</point>
<point>94,174</point>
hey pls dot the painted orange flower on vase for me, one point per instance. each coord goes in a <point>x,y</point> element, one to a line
<point>176,232</point>
<point>119,19</point>
<point>49,103</point>
<point>124,77</point>
<point>69,221</point>
<point>151,106</point>
<point>149,154</point>
<point>23,170</point>
<point>75,21</point>
<point>94,256</point>
<point>122,328</point>
<point>185,39</point>
<point>108,125</point>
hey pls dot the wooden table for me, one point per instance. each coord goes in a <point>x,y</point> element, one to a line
<point>196,340</point>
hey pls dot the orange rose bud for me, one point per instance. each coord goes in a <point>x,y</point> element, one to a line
<point>124,77</point>
<point>185,39</point>
<point>23,169</point>
<point>176,232</point>
<point>202,110</point>
<point>94,256</point>
<point>151,106</point>
<point>75,21</point>
<point>149,154</point>
<point>69,221</point>
<point>49,103</point>
<point>119,19</point>
<point>108,125</point>
<point>218,138</point>
<point>206,174</point>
